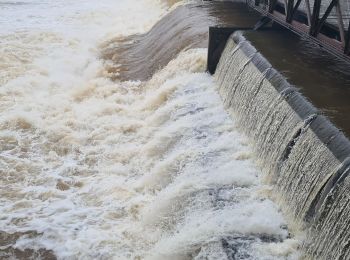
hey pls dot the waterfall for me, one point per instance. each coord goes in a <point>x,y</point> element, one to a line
<point>303,155</point>
<point>148,168</point>
<point>115,143</point>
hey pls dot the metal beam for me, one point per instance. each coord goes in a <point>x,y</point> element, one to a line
<point>315,17</point>
<point>291,13</point>
<point>340,23</point>
<point>290,7</point>
<point>308,12</point>
<point>272,5</point>
<point>324,17</point>
<point>309,23</point>
<point>347,42</point>
<point>285,6</point>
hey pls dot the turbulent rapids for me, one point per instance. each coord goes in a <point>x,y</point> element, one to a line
<point>116,144</point>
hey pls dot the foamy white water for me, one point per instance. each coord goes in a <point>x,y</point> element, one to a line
<point>95,169</point>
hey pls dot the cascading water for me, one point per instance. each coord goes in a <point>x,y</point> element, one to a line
<point>97,169</point>
<point>140,56</point>
<point>304,156</point>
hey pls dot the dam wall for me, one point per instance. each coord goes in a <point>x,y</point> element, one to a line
<point>305,157</point>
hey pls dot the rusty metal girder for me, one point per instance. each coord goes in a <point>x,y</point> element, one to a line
<point>313,25</point>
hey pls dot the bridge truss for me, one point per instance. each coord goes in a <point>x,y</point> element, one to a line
<point>325,21</point>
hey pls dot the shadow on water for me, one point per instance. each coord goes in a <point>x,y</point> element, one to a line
<point>320,76</point>
<point>137,57</point>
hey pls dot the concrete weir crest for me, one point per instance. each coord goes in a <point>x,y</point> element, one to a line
<point>305,157</point>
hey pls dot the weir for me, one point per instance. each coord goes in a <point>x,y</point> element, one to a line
<point>305,157</point>
<point>140,56</point>
<point>149,165</point>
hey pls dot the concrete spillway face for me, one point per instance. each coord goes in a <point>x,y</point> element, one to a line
<point>305,157</point>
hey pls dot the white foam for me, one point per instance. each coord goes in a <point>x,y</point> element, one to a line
<point>105,170</point>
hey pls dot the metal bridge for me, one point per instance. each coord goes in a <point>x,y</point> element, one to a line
<point>325,21</point>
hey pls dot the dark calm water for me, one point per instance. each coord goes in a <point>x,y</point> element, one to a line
<point>321,77</point>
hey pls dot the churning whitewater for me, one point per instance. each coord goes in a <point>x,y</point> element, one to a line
<point>92,168</point>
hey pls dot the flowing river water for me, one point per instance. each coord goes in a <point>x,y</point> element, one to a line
<point>96,166</point>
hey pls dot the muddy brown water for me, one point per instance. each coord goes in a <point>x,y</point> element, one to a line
<point>9,252</point>
<point>321,77</point>
<point>138,57</point>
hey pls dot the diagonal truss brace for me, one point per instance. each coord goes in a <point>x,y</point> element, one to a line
<point>314,23</point>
